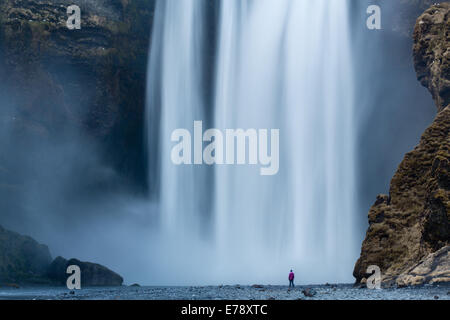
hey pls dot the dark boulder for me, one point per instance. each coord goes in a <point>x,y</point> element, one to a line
<point>92,274</point>
<point>309,292</point>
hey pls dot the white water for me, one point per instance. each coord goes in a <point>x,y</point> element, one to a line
<point>177,44</point>
<point>282,64</point>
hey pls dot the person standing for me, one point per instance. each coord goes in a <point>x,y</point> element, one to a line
<point>291,279</point>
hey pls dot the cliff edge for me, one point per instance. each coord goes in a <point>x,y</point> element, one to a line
<point>409,229</point>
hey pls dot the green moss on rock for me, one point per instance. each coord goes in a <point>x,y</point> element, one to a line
<point>413,221</point>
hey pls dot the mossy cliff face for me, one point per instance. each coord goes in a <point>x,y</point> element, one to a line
<point>91,79</point>
<point>410,224</point>
<point>432,53</point>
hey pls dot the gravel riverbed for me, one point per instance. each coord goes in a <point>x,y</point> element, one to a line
<point>235,292</point>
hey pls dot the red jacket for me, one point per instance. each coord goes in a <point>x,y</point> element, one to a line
<point>291,276</point>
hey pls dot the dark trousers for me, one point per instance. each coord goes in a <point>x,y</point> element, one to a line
<point>291,283</point>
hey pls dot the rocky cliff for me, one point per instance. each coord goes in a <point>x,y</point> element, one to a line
<point>25,261</point>
<point>92,79</point>
<point>409,229</point>
<point>432,53</point>
<point>22,259</point>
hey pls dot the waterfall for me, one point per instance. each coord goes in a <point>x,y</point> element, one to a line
<point>175,86</point>
<point>283,65</point>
